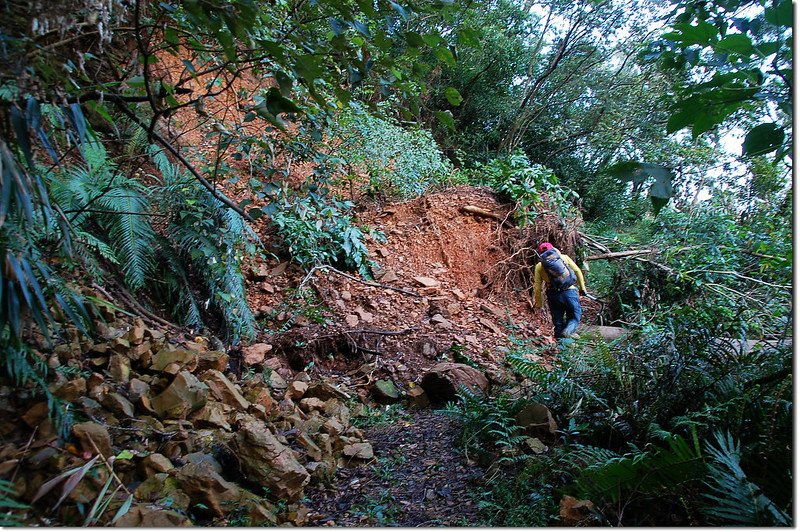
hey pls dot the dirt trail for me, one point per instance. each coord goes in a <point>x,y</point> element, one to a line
<point>418,478</point>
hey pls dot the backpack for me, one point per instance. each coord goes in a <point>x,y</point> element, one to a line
<point>561,275</point>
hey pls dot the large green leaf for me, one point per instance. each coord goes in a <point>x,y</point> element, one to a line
<point>453,96</point>
<point>764,138</point>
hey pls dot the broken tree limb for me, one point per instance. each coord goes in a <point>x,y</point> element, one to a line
<point>620,254</point>
<point>311,272</point>
<point>477,211</point>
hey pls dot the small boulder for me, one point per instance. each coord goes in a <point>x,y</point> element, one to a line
<point>156,463</point>
<point>296,390</point>
<point>361,451</point>
<point>224,390</point>
<point>183,358</point>
<point>417,397</point>
<point>185,395</point>
<point>311,404</point>
<point>211,415</point>
<point>255,354</point>
<point>264,460</point>
<point>537,420</point>
<point>144,516</point>
<point>70,391</point>
<point>385,392</point>
<point>93,432</point>
<point>443,380</point>
<point>217,360</point>
<point>204,485</point>
<point>118,404</point>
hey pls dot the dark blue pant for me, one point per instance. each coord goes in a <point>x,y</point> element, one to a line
<point>565,308</point>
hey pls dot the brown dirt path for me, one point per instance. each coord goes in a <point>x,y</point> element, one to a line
<point>418,478</point>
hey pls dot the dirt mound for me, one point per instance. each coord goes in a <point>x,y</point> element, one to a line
<point>429,301</point>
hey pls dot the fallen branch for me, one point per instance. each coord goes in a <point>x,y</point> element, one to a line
<point>122,106</point>
<point>382,333</point>
<point>620,254</point>
<point>373,284</point>
<point>477,211</point>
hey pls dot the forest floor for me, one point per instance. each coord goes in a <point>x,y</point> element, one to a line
<point>419,478</point>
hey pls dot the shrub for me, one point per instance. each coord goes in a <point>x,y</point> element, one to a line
<point>399,161</point>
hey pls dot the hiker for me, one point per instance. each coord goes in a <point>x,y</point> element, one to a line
<point>560,274</point>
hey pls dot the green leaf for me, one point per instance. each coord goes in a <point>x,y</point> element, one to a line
<point>446,118</point>
<point>453,96</point>
<point>414,39</point>
<point>444,55</point>
<point>680,120</point>
<point>764,138</point>
<point>123,509</point>
<point>276,103</point>
<point>125,455</point>
<point>781,14</point>
<point>736,43</point>
<point>704,33</point>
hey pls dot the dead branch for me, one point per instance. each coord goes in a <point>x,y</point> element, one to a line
<point>373,284</point>
<point>620,254</point>
<point>477,211</point>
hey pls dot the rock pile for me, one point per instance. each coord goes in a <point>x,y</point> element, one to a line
<point>190,441</point>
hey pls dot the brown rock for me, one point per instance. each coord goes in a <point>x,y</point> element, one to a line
<point>326,390</point>
<point>491,326</point>
<point>184,358</point>
<point>575,511</point>
<point>204,485</point>
<point>135,335</point>
<point>266,461</point>
<point>118,404</point>
<point>441,321</point>
<point>443,380</point>
<point>333,427</point>
<point>217,360</point>
<point>427,282</point>
<point>334,408</point>
<point>144,516</point>
<point>93,432</point>
<point>364,316</point>
<point>389,277</point>
<point>156,463</point>
<point>361,450</point>
<point>256,353</point>
<point>537,420</point>
<point>211,415</point>
<point>417,397</point>
<point>185,395</point>
<point>351,320</point>
<point>70,391</point>
<point>309,446</point>
<point>309,404</point>
<point>224,390</point>
<point>296,390</point>
<point>36,414</point>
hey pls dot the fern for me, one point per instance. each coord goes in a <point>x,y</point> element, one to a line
<point>734,499</point>
<point>607,476</point>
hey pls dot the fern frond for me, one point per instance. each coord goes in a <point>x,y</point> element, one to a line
<point>734,499</point>
<point>131,235</point>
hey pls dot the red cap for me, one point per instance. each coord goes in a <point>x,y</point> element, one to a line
<point>544,246</point>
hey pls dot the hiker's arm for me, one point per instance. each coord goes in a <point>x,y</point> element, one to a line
<point>578,273</point>
<point>537,286</point>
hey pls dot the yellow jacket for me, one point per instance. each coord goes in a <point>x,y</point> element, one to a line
<point>540,274</point>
